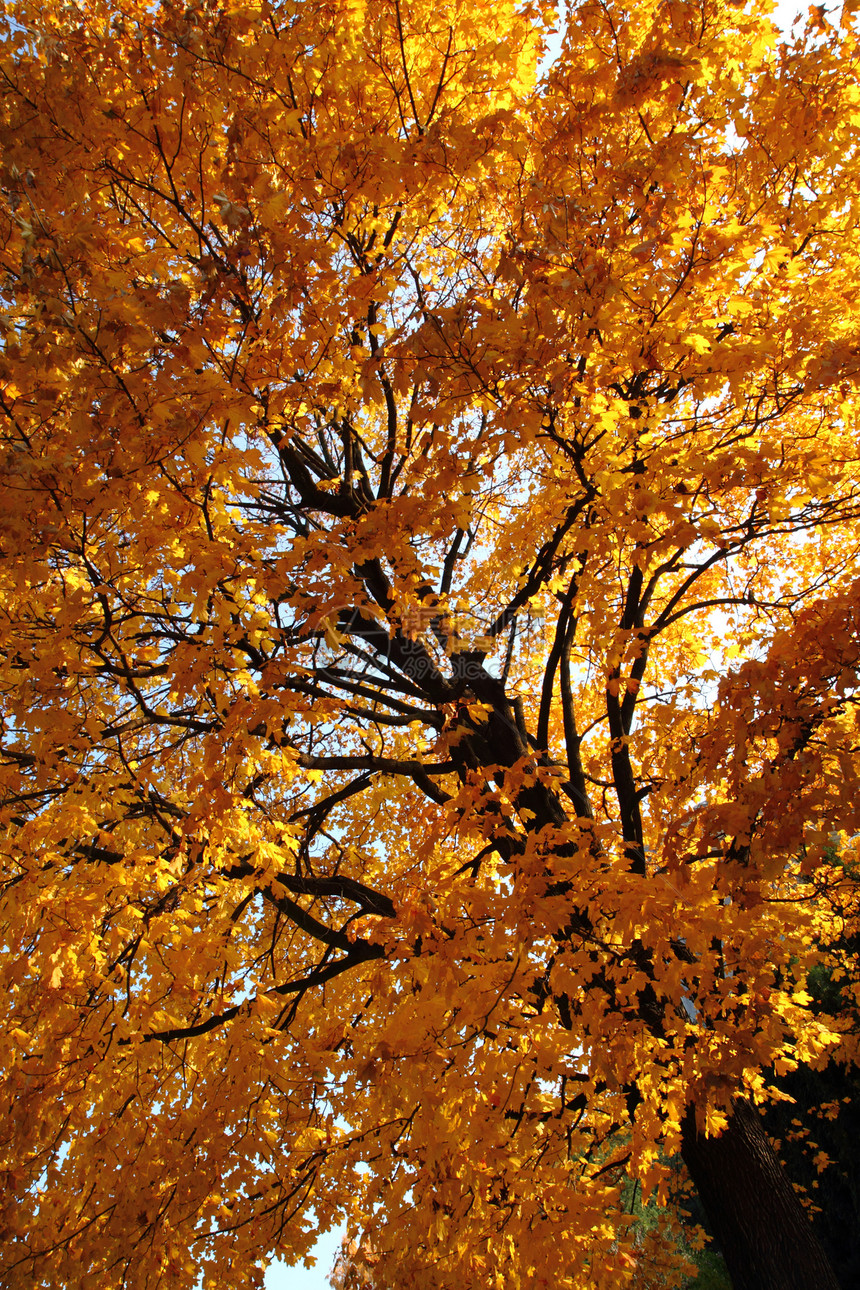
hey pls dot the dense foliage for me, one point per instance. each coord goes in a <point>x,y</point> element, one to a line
<point>429,512</point>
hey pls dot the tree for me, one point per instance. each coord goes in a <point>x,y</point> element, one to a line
<point>816,1129</point>
<point>431,629</point>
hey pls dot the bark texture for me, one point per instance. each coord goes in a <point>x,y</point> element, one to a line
<point>762,1229</point>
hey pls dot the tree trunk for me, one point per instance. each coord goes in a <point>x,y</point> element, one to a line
<point>762,1229</point>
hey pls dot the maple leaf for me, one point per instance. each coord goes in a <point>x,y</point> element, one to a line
<point>429,678</point>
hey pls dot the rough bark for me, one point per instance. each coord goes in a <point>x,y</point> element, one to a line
<point>762,1229</point>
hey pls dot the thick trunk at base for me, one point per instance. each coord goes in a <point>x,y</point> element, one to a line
<point>763,1231</point>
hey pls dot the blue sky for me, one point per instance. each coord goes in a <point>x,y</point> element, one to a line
<point>280,1277</point>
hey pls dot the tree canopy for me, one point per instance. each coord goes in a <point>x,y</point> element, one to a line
<point>430,511</point>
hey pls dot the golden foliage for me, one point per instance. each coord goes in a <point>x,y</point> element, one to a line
<point>431,623</point>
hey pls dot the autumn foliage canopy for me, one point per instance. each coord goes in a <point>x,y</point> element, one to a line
<point>429,517</point>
